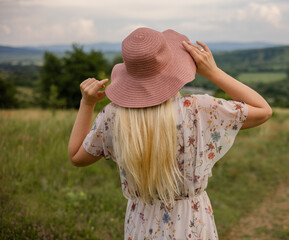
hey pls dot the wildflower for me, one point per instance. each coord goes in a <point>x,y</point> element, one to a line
<point>216,136</point>
<point>238,106</point>
<point>133,206</point>
<point>123,173</point>
<point>211,155</point>
<point>196,178</point>
<point>191,140</point>
<point>187,103</point>
<point>210,146</point>
<point>182,149</point>
<point>196,206</point>
<point>166,217</point>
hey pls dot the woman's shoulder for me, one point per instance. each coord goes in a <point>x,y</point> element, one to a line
<point>194,98</point>
<point>110,110</point>
<point>109,107</point>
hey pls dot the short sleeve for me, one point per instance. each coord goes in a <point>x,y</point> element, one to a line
<point>95,141</point>
<point>220,121</point>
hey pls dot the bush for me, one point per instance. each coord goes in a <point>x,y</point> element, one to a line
<point>7,94</point>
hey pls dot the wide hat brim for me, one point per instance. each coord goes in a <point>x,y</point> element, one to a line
<point>131,92</point>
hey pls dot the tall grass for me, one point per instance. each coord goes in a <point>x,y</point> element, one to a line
<point>42,196</point>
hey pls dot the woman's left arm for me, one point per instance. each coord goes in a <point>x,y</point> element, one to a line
<point>90,96</point>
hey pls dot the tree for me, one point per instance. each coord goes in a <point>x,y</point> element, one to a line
<point>51,74</point>
<point>117,59</point>
<point>68,72</point>
<point>7,94</point>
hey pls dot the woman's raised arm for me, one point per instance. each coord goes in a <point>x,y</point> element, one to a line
<point>90,96</point>
<point>259,110</point>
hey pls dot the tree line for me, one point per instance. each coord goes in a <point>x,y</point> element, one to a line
<point>59,79</point>
<point>56,83</point>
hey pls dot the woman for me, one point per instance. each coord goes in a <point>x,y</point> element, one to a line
<point>165,144</point>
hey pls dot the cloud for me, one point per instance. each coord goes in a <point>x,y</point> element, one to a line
<point>76,30</point>
<point>268,12</point>
<point>193,26</point>
<point>5,29</point>
<point>28,22</point>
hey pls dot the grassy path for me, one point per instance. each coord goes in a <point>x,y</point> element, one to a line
<point>270,221</point>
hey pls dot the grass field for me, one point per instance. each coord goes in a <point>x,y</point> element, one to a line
<point>263,77</point>
<point>42,196</point>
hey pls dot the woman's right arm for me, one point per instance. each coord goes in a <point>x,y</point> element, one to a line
<point>259,110</point>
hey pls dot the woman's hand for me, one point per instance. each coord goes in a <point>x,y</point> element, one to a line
<point>90,90</point>
<point>203,57</point>
<point>259,110</point>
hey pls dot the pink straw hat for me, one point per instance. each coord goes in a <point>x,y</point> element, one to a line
<point>156,66</point>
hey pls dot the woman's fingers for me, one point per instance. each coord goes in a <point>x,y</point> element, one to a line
<point>204,46</point>
<point>191,49</point>
<point>90,90</point>
<point>91,86</point>
<point>93,83</point>
<point>85,85</point>
<point>98,85</point>
<point>203,58</point>
<point>195,46</point>
<point>194,52</point>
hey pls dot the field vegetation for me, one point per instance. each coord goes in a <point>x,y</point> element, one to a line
<point>44,197</point>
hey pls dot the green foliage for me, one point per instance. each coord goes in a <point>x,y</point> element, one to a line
<point>255,60</point>
<point>54,101</point>
<point>68,72</point>
<point>7,94</point>
<point>219,93</point>
<point>117,59</point>
<point>277,92</point>
<point>261,77</point>
<point>202,82</point>
<point>51,73</point>
<point>20,75</point>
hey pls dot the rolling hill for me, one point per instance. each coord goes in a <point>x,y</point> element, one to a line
<point>273,59</point>
<point>34,54</point>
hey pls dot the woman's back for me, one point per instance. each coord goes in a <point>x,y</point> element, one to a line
<point>156,66</point>
<point>206,129</point>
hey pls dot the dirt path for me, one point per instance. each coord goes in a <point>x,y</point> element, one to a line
<point>270,221</point>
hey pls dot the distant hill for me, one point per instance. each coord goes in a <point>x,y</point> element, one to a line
<point>116,47</point>
<point>102,46</point>
<point>258,60</point>
<point>5,50</point>
<point>233,46</point>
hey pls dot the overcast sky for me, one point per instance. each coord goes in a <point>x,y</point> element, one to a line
<point>42,22</point>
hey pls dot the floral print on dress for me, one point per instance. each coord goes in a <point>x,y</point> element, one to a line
<point>206,127</point>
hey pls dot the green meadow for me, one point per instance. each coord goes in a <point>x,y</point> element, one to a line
<point>261,77</point>
<point>43,196</point>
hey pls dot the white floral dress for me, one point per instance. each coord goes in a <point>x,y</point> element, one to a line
<point>207,127</point>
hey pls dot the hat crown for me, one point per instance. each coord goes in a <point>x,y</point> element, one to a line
<point>145,53</point>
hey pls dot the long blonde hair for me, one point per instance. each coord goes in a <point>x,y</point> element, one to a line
<point>145,144</point>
